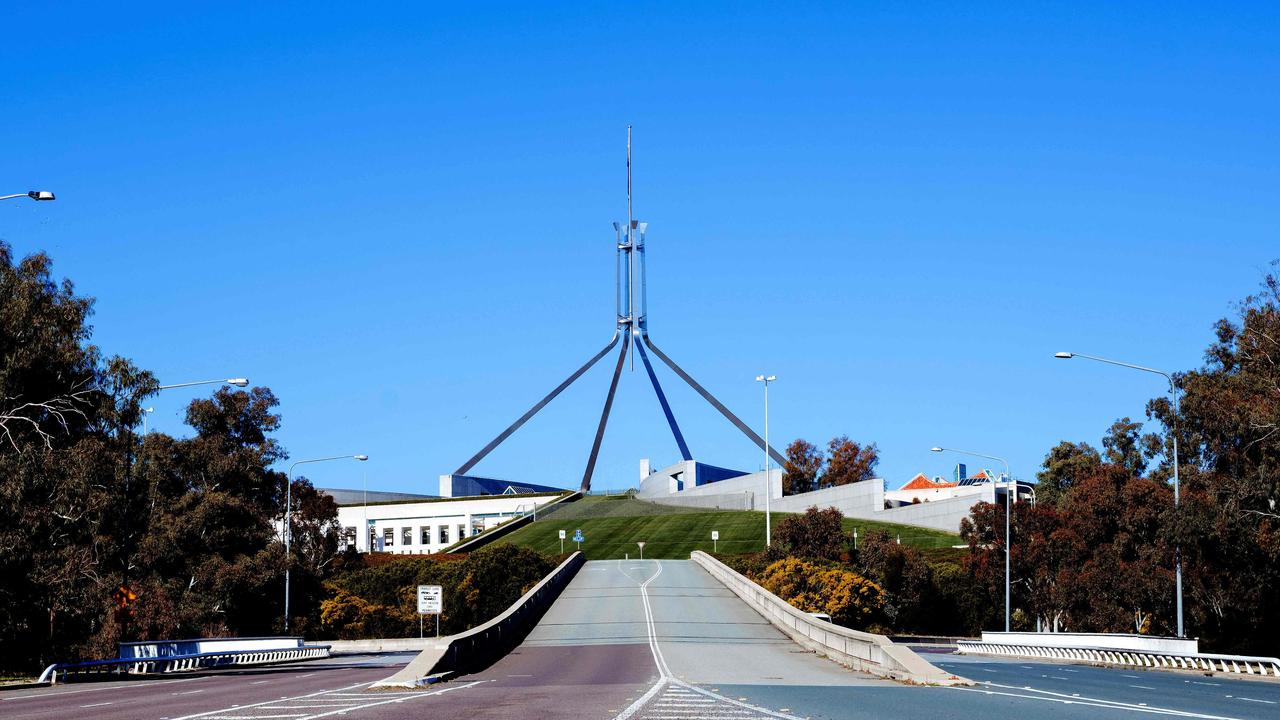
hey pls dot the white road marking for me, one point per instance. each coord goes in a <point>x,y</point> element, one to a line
<point>95,704</point>
<point>680,694</point>
<point>188,692</point>
<point>1269,702</point>
<point>1075,699</point>
<point>259,682</point>
<point>1142,687</point>
<point>129,686</point>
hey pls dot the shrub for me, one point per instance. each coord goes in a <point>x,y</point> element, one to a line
<point>815,534</point>
<point>850,599</point>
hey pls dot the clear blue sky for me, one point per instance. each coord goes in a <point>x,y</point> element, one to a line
<point>398,217</point>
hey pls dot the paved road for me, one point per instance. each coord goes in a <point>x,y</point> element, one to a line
<point>661,640</point>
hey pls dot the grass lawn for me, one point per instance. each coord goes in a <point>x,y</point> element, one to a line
<point>613,525</point>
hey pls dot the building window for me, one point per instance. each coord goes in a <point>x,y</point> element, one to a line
<point>349,536</point>
<point>444,534</point>
<point>462,531</point>
<point>373,539</point>
<point>406,536</point>
<point>425,532</point>
<point>388,537</point>
<point>477,526</point>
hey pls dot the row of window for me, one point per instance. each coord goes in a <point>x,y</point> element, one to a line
<point>407,535</point>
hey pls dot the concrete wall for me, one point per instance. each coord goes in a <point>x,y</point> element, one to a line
<point>1113,641</point>
<point>875,654</point>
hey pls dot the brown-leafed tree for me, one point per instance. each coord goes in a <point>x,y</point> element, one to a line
<point>849,462</point>
<point>804,464</point>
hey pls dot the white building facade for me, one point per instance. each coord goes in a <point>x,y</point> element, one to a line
<point>419,527</point>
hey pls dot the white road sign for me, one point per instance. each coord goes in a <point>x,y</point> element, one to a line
<point>430,599</point>
<point>563,533</point>
<point>715,534</point>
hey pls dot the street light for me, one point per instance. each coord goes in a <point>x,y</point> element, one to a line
<point>33,194</point>
<point>768,482</point>
<point>288,513</point>
<point>1007,510</point>
<point>1173,390</point>
<point>238,382</point>
<point>145,413</point>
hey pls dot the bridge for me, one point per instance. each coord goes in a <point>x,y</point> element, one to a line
<point>654,640</point>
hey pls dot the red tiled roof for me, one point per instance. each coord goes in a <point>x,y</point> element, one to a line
<point>920,482</point>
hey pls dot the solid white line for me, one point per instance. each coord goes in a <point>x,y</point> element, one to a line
<point>1269,702</point>
<point>1142,687</point>
<point>441,691</point>
<point>95,705</point>
<point>1076,699</point>
<point>129,686</point>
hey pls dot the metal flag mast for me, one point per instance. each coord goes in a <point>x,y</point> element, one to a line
<point>632,329</point>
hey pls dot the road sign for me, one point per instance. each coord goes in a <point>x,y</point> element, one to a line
<point>641,544</point>
<point>715,541</point>
<point>577,537</point>
<point>563,533</point>
<point>715,534</point>
<point>430,599</point>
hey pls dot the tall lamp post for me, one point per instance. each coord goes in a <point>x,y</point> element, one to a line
<point>768,481</point>
<point>288,515</point>
<point>1008,555</point>
<point>238,382</point>
<point>1173,390</point>
<point>33,194</point>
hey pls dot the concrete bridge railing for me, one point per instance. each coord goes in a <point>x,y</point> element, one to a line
<point>875,654</point>
<point>1125,657</point>
<point>485,644</point>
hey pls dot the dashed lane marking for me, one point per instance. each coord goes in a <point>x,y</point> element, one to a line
<point>95,705</point>
<point>129,686</point>
<point>1269,702</point>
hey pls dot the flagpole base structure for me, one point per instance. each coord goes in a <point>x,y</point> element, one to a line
<point>632,329</point>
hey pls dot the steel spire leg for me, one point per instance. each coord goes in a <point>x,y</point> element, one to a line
<point>716,403</point>
<point>534,410</point>
<point>604,417</point>
<point>666,408</point>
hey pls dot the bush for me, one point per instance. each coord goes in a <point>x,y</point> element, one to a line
<point>815,534</point>
<point>381,600</point>
<point>850,599</point>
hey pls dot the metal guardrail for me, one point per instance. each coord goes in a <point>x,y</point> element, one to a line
<point>1237,664</point>
<point>103,669</point>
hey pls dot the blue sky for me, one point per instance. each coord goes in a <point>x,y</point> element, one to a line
<point>399,219</point>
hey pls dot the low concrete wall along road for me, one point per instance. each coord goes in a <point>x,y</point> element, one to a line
<point>482,645</point>
<point>875,654</point>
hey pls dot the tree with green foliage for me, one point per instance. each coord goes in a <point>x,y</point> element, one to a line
<point>1064,466</point>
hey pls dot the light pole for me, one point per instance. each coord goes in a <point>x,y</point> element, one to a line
<point>288,515</point>
<point>33,194</point>
<point>768,481</point>
<point>238,382</point>
<point>1173,390</point>
<point>1010,486</point>
<point>145,413</point>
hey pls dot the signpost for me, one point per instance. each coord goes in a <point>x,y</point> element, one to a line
<point>715,540</point>
<point>641,544</point>
<point>562,534</point>
<point>577,537</point>
<point>430,602</point>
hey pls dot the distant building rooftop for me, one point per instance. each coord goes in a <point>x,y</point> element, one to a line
<point>342,496</point>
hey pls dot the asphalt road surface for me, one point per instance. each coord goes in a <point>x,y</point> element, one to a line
<point>658,640</point>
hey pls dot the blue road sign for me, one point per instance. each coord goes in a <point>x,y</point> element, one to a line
<point>577,535</point>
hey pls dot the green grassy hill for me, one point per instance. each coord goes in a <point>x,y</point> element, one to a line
<point>613,525</point>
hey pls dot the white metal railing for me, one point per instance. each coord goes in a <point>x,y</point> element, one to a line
<point>104,669</point>
<point>1237,664</point>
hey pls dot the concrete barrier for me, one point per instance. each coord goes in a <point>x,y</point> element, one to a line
<point>380,645</point>
<point>485,644</point>
<point>875,654</point>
